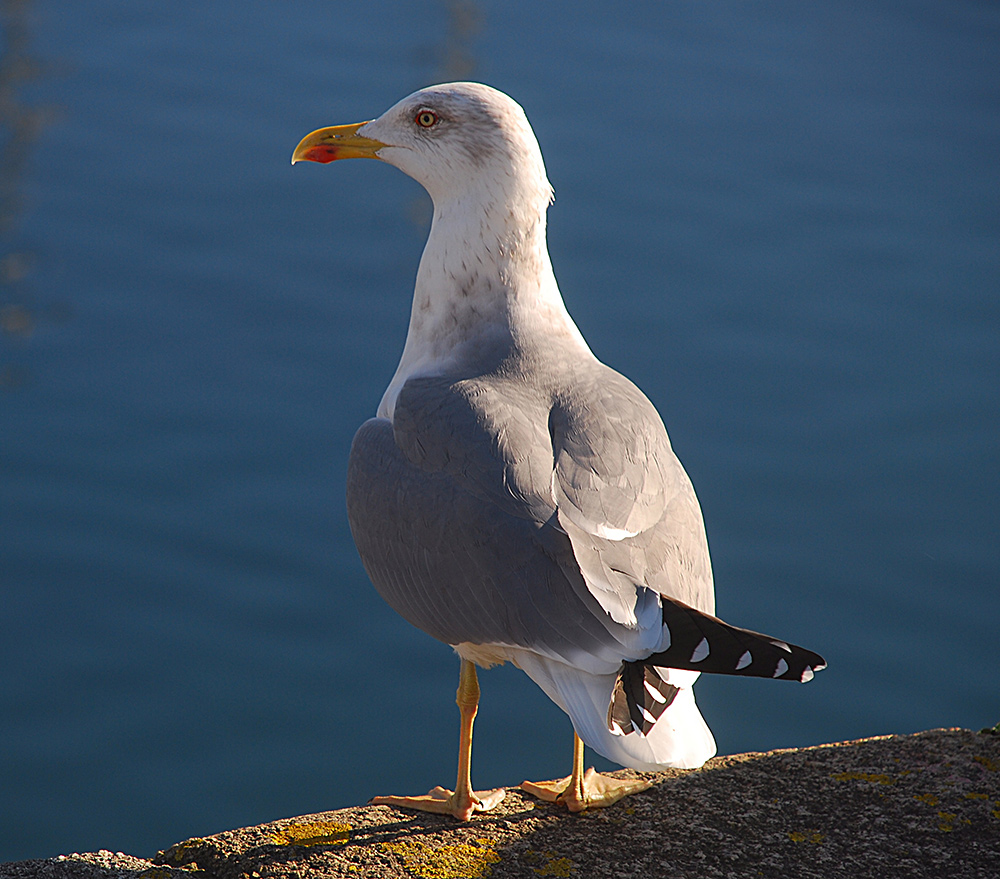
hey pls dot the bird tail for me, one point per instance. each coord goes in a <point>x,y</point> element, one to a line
<point>680,738</point>
<point>652,696</point>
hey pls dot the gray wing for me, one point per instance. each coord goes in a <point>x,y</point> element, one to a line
<point>492,511</point>
<point>460,556</point>
<point>624,498</point>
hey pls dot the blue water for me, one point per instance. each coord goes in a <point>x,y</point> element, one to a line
<point>780,219</point>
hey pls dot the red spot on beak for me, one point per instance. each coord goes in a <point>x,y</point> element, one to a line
<point>322,153</point>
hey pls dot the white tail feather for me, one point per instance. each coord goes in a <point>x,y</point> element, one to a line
<point>680,739</point>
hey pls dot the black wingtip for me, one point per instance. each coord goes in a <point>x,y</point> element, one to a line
<point>701,642</point>
<point>639,698</point>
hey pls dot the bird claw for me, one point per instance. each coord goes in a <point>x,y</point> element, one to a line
<point>462,805</point>
<point>596,791</point>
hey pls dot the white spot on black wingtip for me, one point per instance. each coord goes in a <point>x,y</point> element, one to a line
<point>701,651</point>
<point>654,693</point>
<point>819,666</point>
<point>781,644</point>
<point>615,729</point>
<point>649,718</point>
<point>781,669</point>
<point>807,675</point>
<point>745,660</point>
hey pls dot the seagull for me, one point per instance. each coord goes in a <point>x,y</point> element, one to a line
<point>513,496</point>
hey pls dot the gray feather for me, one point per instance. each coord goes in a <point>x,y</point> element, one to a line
<point>452,509</point>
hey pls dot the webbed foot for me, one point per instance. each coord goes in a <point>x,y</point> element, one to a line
<point>445,802</point>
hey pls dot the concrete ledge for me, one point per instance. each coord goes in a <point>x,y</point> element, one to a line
<point>918,805</point>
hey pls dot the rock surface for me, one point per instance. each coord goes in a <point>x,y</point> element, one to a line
<point>918,805</point>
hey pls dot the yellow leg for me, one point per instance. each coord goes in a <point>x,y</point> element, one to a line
<point>584,790</point>
<point>463,801</point>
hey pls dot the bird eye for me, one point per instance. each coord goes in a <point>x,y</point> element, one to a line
<point>425,118</point>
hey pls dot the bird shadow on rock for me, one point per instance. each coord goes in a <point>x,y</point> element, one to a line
<point>901,805</point>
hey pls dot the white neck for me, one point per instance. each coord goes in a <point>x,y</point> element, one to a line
<point>485,283</point>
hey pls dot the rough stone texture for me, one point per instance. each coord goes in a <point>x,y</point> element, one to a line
<point>920,805</point>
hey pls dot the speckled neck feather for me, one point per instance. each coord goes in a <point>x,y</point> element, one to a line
<point>485,278</point>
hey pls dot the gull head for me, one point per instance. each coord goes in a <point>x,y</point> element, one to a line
<point>458,140</point>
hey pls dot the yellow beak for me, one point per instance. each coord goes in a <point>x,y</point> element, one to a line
<point>339,142</point>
